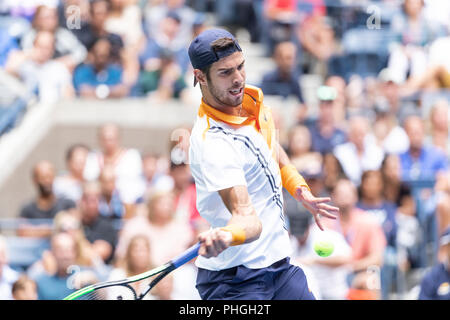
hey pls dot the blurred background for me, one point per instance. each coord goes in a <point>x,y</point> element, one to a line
<point>97,103</point>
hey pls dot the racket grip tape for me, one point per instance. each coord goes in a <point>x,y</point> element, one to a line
<point>186,256</point>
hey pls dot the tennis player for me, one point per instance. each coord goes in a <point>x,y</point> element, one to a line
<point>239,170</point>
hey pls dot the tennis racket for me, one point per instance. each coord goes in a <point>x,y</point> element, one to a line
<point>127,289</point>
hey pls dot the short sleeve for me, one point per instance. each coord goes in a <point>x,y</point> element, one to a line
<point>221,165</point>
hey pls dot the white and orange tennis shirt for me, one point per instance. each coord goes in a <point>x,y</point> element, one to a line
<point>227,151</point>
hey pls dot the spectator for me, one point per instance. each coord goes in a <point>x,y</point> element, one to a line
<point>24,288</point>
<point>111,205</point>
<point>437,74</point>
<point>363,233</point>
<point>409,232</point>
<point>317,38</point>
<point>86,257</point>
<point>153,176</point>
<point>98,11</point>
<point>360,153</point>
<point>164,62</point>
<point>332,172</point>
<point>388,93</point>
<point>391,172</point>
<point>420,161</point>
<point>285,79</point>
<point>127,163</point>
<point>68,49</point>
<point>7,275</point>
<point>102,78</point>
<point>325,134</point>
<point>439,135</point>
<point>125,19</point>
<point>120,54</point>
<point>137,260</point>
<point>280,22</point>
<point>412,32</point>
<point>390,136</point>
<point>55,286</point>
<point>99,231</point>
<point>154,14</point>
<point>69,184</point>
<point>35,60</point>
<point>330,273</point>
<point>45,205</point>
<point>435,284</point>
<point>371,200</point>
<point>185,194</point>
<point>168,237</point>
<point>299,150</point>
<point>340,99</point>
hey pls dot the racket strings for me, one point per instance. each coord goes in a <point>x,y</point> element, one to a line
<point>127,291</point>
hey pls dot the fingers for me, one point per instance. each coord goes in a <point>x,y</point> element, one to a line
<point>211,243</point>
<point>318,222</point>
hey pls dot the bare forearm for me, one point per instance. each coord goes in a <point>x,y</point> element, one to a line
<point>283,158</point>
<point>249,223</point>
<point>242,211</point>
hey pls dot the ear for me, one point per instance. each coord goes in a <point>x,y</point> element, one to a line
<point>200,77</point>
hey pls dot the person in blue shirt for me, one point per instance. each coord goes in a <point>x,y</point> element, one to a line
<point>100,79</point>
<point>420,162</point>
<point>57,285</point>
<point>284,79</point>
<point>435,284</point>
<point>325,134</point>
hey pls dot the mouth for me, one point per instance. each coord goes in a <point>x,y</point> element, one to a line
<point>237,92</point>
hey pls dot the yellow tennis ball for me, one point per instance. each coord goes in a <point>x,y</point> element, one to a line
<point>323,248</point>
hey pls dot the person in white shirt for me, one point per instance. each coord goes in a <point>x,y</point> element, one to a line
<point>361,152</point>
<point>239,171</point>
<point>127,164</point>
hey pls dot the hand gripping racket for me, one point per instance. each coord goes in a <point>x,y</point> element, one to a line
<point>124,289</point>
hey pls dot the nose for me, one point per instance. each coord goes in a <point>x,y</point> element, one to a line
<point>239,77</point>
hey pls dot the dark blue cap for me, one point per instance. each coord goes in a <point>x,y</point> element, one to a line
<point>201,53</point>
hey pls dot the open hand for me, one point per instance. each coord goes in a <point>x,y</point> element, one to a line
<point>316,206</point>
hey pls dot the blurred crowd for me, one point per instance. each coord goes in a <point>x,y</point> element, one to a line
<point>375,137</point>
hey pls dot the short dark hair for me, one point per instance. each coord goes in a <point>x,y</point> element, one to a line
<point>218,45</point>
<point>71,150</point>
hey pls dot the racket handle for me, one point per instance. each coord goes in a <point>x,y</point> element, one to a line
<point>187,256</point>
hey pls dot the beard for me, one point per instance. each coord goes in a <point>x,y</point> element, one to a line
<point>45,191</point>
<point>224,97</point>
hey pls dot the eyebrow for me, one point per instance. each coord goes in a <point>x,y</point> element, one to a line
<point>228,69</point>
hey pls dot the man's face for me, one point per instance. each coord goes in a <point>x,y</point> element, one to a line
<point>64,250</point>
<point>89,205</point>
<point>226,81</point>
<point>414,128</point>
<point>285,57</point>
<point>101,52</point>
<point>344,195</point>
<point>109,138</point>
<point>99,13</point>
<point>44,175</point>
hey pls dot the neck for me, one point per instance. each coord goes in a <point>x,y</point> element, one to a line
<point>372,201</point>
<point>45,202</point>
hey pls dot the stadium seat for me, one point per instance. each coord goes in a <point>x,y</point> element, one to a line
<point>23,252</point>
